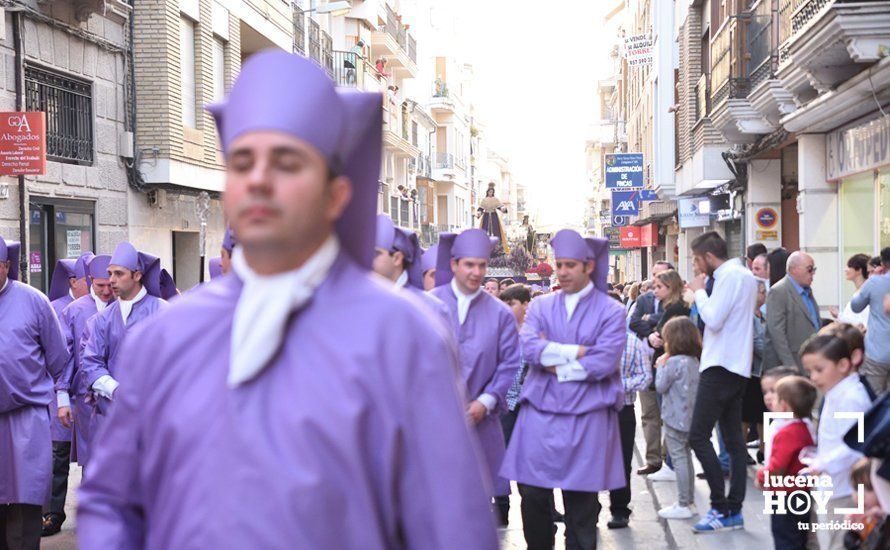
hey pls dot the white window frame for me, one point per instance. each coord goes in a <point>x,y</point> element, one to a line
<point>188,71</point>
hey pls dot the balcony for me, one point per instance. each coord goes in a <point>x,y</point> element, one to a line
<point>84,9</point>
<point>392,41</point>
<point>423,167</point>
<point>826,42</point>
<point>351,70</point>
<point>728,77</point>
<point>444,161</point>
<point>395,130</point>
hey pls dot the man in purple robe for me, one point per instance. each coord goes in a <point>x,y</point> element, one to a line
<point>397,258</point>
<point>135,280</point>
<point>61,285</point>
<point>567,433</point>
<point>486,333</point>
<point>428,267</point>
<point>297,402</point>
<point>74,407</point>
<point>32,359</point>
<point>225,252</point>
<point>214,266</point>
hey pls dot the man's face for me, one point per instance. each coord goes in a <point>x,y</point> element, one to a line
<point>126,284</point>
<point>659,268</point>
<point>279,196</point>
<point>469,273</point>
<point>573,275</point>
<point>804,271</point>
<point>701,265</point>
<point>518,308</point>
<point>4,273</point>
<point>493,288</point>
<point>225,261</point>
<point>102,289</point>
<point>429,279</point>
<point>78,287</point>
<point>758,267</point>
<point>388,264</point>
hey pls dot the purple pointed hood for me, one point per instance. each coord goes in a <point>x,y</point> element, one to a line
<point>568,244</point>
<point>167,285</point>
<point>215,268</point>
<point>429,258</point>
<point>99,266</point>
<point>126,255</point>
<point>59,285</point>
<point>472,243</point>
<point>389,237</point>
<point>229,240</point>
<point>82,265</point>
<point>9,252</point>
<point>285,92</point>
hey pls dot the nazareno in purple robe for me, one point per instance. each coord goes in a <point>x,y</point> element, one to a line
<point>352,437</point>
<point>489,358</point>
<point>32,358</point>
<point>59,432</point>
<point>566,435</point>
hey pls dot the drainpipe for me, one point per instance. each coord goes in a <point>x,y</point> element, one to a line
<point>18,41</point>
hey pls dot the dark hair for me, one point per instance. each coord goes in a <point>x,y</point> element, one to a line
<point>777,259</point>
<point>780,372</point>
<point>619,287</point>
<point>665,263</point>
<point>517,291</point>
<point>861,473</point>
<point>799,393</point>
<point>859,262</point>
<point>875,262</point>
<point>832,347</point>
<point>885,256</point>
<point>507,282</point>
<point>755,250</point>
<point>712,242</point>
<point>492,280</point>
<point>681,337</point>
<point>847,332</point>
<point>614,294</point>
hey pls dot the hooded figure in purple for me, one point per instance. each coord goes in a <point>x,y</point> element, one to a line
<point>428,267</point>
<point>566,435</point>
<point>61,286</point>
<point>297,402</point>
<point>73,389</point>
<point>136,280</point>
<point>486,334</point>
<point>32,360</point>
<point>397,257</point>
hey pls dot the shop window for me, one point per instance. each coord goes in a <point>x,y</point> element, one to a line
<point>884,211</point>
<point>68,104</point>
<point>59,229</point>
<point>857,200</point>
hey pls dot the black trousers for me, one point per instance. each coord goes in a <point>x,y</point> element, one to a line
<point>619,499</point>
<point>719,399</point>
<point>582,511</point>
<point>20,526</point>
<point>786,535</point>
<point>61,469</point>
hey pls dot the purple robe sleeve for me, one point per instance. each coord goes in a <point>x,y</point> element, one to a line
<point>54,349</point>
<point>94,361</point>
<point>440,458</point>
<point>110,499</point>
<point>508,360</point>
<point>64,383</point>
<point>602,358</point>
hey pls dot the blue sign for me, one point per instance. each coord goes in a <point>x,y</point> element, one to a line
<point>625,203</point>
<point>624,170</point>
<point>620,221</point>
<point>648,195</point>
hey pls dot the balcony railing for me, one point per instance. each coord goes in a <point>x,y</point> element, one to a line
<point>412,48</point>
<point>424,166</point>
<point>314,41</point>
<point>702,98</point>
<point>394,28</point>
<point>299,30</point>
<point>728,77</point>
<point>794,16</point>
<point>351,70</point>
<point>762,52</point>
<point>444,160</point>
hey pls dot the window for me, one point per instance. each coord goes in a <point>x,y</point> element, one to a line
<point>299,30</point>
<point>187,72</point>
<point>857,200</point>
<point>59,229</point>
<point>68,104</point>
<point>219,69</point>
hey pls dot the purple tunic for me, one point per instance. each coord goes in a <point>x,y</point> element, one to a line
<point>59,432</point>
<point>74,322</point>
<point>566,435</point>
<point>352,437</point>
<point>489,357</point>
<point>32,356</point>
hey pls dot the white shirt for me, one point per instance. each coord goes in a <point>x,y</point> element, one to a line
<point>834,457</point>
<point>265,305</point>
<point>127,305</point>
<point>402,280</point>
<point>565,356</point>
<point>727,314</point>
<point>463,308</point>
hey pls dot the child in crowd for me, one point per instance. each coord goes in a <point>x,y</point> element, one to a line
<point>856,342</point>
<point>872,515</point>
<point>676,379</point>
<point>768,383</point>
<point>797,395</point>
<point>827,359</point>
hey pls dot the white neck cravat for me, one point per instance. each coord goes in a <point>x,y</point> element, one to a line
<point>573,299</point>
<point>100,305</point>
<point>463,301</point>
<point>127,305</point>
<point>265,305</point>
<point>402,280</point>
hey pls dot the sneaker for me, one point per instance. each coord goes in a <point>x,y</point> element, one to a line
<point>714,521</point>
<point>664,474</point>
<point>675,511</point>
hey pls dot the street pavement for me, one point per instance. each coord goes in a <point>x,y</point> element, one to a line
<point>646,529</point>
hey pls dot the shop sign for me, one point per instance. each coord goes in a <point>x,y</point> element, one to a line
<point>73,240</point>
<point>649,235</point>
<point>630,237</point>
<point>34,262</point>
<point>625,203</point>
<point>624,170</point>
<point>638,50</point>
<point>614,236</point>
<point>858,149</point>
<point>694,212</point>
<point>22,143</point>
<point>767,235</point>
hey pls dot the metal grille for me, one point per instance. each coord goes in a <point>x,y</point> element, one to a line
<point>68,105</point>
<point>327,53</point>
<point>805,11</point>
<point>314,41</point>
<point>299,30</point>
<point>759,46</point>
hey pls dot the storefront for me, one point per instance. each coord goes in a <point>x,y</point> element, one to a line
<point>59,228</point>
<point>858,159</point>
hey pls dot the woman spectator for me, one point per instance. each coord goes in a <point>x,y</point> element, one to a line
<point>668,289</point>
<point>632,294</point>
<point>857,272</point>
<point>776,260</point>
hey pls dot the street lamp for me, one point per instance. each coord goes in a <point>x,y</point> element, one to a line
<point>335,9</point>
